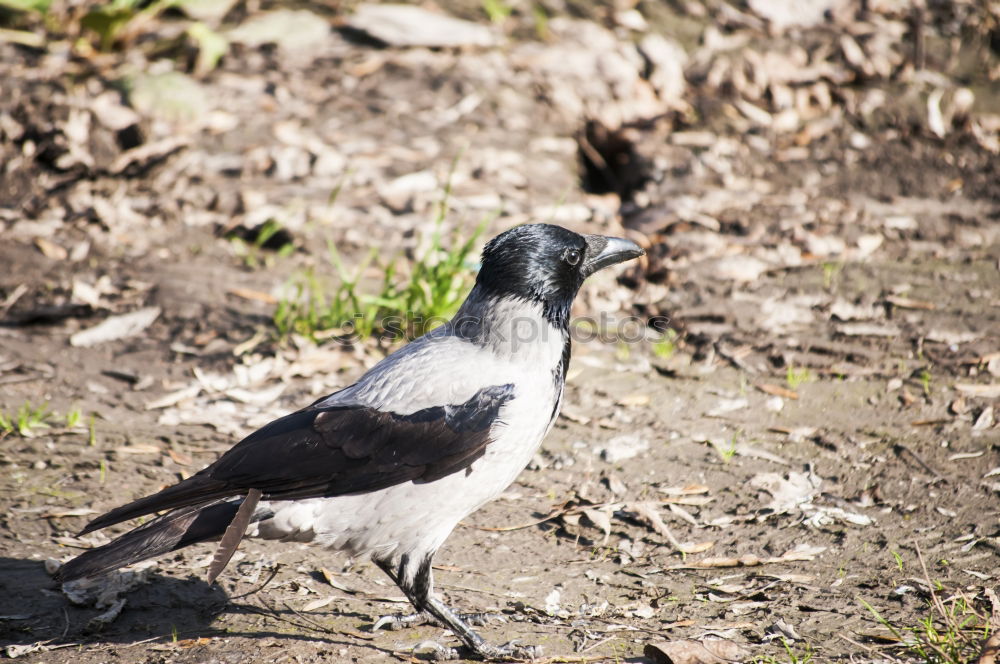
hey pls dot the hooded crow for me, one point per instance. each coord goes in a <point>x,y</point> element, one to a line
<point>389,465</point>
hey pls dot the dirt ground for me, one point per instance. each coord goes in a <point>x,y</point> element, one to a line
<point>814,446</point>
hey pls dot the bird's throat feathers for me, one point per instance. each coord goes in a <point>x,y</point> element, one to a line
<point>513,326</point>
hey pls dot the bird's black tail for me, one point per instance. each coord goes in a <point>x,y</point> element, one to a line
<point>169,532</point>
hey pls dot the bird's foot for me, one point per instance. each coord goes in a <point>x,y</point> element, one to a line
<point>438,652</point>
<point>400,621</point>
<point>481,619</point>
<point>512,650</point>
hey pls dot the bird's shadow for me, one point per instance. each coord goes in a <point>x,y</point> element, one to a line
<point>33,609</point>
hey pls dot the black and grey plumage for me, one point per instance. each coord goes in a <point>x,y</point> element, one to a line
<point>389,465</point>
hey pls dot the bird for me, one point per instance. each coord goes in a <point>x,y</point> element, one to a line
<point>389,465</point>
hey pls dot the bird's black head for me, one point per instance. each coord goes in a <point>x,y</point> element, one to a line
<point>547,264</point>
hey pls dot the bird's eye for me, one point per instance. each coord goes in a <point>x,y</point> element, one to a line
<point>572,256</point>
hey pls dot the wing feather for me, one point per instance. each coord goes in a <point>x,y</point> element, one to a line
<point>333,450</point>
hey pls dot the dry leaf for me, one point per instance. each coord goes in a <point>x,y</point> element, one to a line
<point>249,294</point>
<point>689,651</point>
<point>906,398</point>
<point>802,552</point>
<point>776,390</point>
<point>316,604</point>
<point>116,327</point>
<point>743,449</point>
<point>167,400</point>
<point>687,490</point>
<point>50,249</point>
<point>180,458</point>
<point>748,560</point>
<point>140,448</point>
<point>991,391</point>
<point>637,399</point>
<point>15,651</point>
<point>602,519</point>
<point>649,512</point>
<point>80,511</point>
<point>985,420</point>
<point>990,651</point>
<point>868,330</point>
<point>787,493</point>
<point>908,303</point>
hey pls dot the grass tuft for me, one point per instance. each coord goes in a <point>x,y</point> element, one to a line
<point>952,632</point>
<point>665,347</point>
<point>796,376</point>
<point>252,249</point>
<point>404,305</point>
<point>792,657</point>
<point>26,421</point>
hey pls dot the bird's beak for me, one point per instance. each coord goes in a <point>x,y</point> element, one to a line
<point>603,251</point>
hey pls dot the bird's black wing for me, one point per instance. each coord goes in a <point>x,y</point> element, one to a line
<point>336,450</point>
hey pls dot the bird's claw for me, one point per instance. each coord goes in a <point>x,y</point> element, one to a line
<point>438,652</point>
<point>399,621</point>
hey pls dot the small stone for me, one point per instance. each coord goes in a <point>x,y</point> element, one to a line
<point>290,29</point>
<point>623,447</point>
<point>406,25</point>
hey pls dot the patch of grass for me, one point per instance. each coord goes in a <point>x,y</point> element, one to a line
<point>313,309</point>
<point>925,381</point>
<point>727,452</point>
<point>498,11</point>
<point>255,251</point>
<point>115,24</point>
<point>26,5</point>
<point>952,632</point>
<point>73,418</point>
<point>665,347</point>
<point>402,306</point>
<point>792,657</point>
<point>831,271</point>
<point>541,20</point>
<point>899,560</point>
<point>27,420</point>
<point>405,305</point>
<point>619,651</point>
<point>796,376</point>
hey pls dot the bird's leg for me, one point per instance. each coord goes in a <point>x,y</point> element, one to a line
<point>402,621</point>
<point>399,620</point>
<point>418,588</point>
